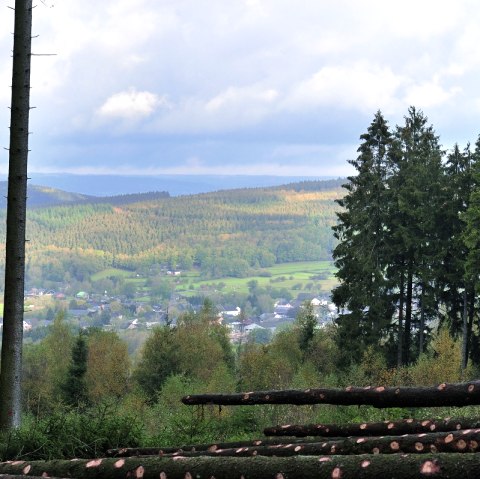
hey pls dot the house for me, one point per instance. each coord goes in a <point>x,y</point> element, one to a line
<point>231,312</point>
<point>283,308</point>
<point>134,324</point>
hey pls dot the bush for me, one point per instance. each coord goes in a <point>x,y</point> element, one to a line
<point>68,433</point>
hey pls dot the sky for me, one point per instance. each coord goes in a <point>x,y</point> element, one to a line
<point>250,87</point>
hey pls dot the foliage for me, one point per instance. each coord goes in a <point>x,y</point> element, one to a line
<point>108,366</point>
<point>404,256</point>
<point>222,233</point>
<point>306,322</point>
<point>45,366</point>
<point>68,432</point>
<point>75,388</point>
<point>195,347</point>
<point>440,363</point>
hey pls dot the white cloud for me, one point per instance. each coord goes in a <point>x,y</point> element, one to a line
<point>186,168</point>
<point>245,66</point>
<point>429,94</point>
<point>359,86</point>
<point>131,105</point>
<point>233,98</point>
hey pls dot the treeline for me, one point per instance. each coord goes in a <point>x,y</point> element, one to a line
<point>227,233</point>
<point>409,243</point>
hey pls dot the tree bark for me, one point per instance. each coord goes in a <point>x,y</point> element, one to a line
<point>407,335</point>
<point>461,394</point>
<point>21,476</point>
<point>422,320</point>
<point>458,441</point>
<point>464,359</point>
<point>400,323</point>
<point>11,362</point>
<point>379,466</point>
<point>404,426</point>
<point>160,451</point>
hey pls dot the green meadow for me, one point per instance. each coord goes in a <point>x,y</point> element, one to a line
<point>309,276</point>
<point>297,277</point>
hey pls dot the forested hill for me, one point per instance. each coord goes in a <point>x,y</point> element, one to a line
<point>222,233</point>
<point>42,196</point>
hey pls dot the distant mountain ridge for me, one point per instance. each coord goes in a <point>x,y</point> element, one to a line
<point>45,196</point>
<point>176,185</point>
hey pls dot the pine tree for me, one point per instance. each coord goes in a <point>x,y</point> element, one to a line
<point>457,293</point>
<point>471,238</point>
<point>416,188</point>
<point>75,388</point>
<point>364,294</point>
<point>306,322</point>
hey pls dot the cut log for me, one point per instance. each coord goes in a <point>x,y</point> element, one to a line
<point>21,476</point>
<point>404,426</point>
<point>461,394</point>
<point>160,451</point>
<point>398,466</point>
<point>458,441</point>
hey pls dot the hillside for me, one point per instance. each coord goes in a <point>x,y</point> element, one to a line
<point>40,196</point>
<point>44,196</point>
<point>176,185</point>
<point>225,233</point>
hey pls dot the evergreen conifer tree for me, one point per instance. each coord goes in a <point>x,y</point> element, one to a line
<point>364,295</point>
<point>416,212</point>
<point>75,388</point>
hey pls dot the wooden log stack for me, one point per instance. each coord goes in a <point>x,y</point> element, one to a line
<point>395,449</point>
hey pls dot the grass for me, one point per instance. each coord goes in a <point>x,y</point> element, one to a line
<point>110,272</point>
<point>292,276</point>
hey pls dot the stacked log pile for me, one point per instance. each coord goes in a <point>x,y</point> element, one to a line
<point>392,449</point>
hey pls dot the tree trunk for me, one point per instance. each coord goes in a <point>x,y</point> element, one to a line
<point>160,451</point>
<point>404,426</point>
<point>400,324</point>
<point>422,320</point>
<point>462,394</point>
<point>464,359</point>
<point>378,466</point>
<point>471,316</point>
<point>11,363</point>
<point>407,335</point>
<point>466,441</point>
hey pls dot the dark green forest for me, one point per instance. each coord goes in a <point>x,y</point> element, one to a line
<point>226,233</point>
<point>409,243</point>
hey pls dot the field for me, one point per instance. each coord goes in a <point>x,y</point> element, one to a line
<point>107,273</point>
<point>295,277</point>
<point>311,277</point>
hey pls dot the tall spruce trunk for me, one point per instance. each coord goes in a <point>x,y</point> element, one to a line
<point>464,359</point>
<point>421,328</point>
<point>408,316</point>
<point>400,324</point>
<point>11,365</point>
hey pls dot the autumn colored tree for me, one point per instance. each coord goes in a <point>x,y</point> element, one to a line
<point>108,366</point>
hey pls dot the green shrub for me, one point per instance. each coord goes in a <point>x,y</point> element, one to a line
<point>69,433</point>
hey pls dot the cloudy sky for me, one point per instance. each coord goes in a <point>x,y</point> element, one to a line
<point>281,87</point>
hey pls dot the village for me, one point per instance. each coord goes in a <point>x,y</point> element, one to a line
<point>126,313</point>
